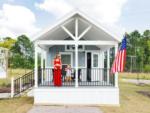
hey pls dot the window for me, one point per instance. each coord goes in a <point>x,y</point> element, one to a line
<point>66,59</point>
<point>72,48</point>
<point>95,60</point>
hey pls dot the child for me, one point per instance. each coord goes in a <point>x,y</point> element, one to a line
<point>68,73</point>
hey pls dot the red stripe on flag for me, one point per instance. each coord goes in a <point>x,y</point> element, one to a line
<point>122,55</point>
<point>123,60</point>
<point>119,59</point>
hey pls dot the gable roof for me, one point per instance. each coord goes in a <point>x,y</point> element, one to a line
<point>52,28</point>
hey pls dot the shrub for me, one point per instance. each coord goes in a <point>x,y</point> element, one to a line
<point>147,68</point>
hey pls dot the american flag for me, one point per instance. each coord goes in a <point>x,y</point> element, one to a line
<point>120,59</point>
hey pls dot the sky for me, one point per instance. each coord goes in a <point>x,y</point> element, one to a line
<point>29,17</point>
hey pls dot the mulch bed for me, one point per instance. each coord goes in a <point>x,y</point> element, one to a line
<point>145,93</point>
<point>5,90</point>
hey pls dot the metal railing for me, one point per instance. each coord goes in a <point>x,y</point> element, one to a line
<point>23,83</point>
<point>46,78</point>
<point>86,77</point>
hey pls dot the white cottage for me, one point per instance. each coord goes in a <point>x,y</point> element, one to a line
<point>88,47</point>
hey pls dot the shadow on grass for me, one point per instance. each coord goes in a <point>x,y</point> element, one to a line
<point>145,93</point>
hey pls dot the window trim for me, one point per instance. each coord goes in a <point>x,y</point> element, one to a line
<point>95,53</point>
<point>68,53</point>
<point>83,48</point>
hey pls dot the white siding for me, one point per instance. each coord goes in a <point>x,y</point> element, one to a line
<point>82,96</point>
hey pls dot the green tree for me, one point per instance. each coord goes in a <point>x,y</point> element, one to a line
<point>23,51</point>
<point>146,45</point>
<point>138,45</point>
<point>7,43</point>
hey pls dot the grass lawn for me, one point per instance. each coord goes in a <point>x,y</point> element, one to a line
<point>16,105</point>
<point>144,76</point>
<point>12,73</point>
<point>130,100</point>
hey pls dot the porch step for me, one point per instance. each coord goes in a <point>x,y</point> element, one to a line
<point>30,93</point>
<point>65,109</point>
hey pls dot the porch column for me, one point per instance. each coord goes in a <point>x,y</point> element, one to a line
<point>42,57</point>
<point>101,65</point>
<point>76,65</point>
<point>108,65</point>
<point>116,74</point>
<point>36,67</point>
<point>102,78</point>
<point>46,59</point>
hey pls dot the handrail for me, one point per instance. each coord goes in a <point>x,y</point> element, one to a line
<point>24,75</point>
<point>23,83</point>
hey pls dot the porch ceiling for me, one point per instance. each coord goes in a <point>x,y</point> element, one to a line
<point>101,47</point>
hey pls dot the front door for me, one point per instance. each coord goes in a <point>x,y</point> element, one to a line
<point>93,66</point>
<point>89,66</point>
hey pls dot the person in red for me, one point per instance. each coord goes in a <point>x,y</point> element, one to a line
<point>57,71</point>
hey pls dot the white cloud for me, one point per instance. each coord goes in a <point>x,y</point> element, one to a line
<point>10,0</point>
<point>16,20</point>
<point>107,11</point>
<point>55,7</point>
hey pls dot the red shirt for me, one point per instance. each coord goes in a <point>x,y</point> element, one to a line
<point>57,63</point>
